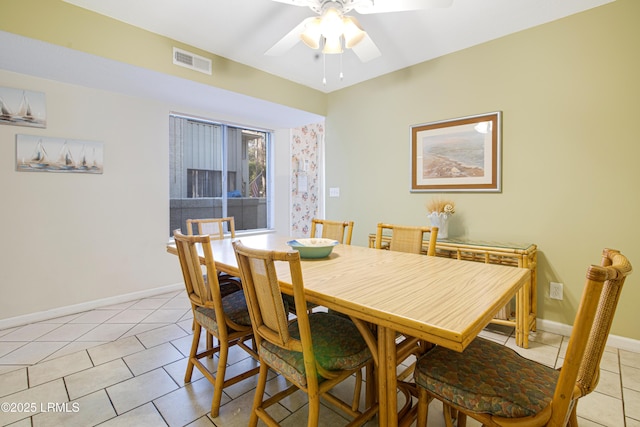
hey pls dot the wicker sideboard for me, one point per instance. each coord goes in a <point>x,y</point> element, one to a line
<point>521,314</point>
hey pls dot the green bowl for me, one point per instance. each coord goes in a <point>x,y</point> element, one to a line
<point>313,248</point>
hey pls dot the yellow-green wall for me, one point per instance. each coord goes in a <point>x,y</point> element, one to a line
<point>61,23</point>
<point>570,96</point>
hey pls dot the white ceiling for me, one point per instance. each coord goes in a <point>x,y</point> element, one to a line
<point>242,30</point>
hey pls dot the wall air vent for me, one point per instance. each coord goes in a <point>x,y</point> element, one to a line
<point>191,60</point>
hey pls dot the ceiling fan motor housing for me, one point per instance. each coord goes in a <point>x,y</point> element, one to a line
<point>342,6</point>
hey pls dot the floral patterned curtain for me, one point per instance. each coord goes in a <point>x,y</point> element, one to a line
<point>306,157</point>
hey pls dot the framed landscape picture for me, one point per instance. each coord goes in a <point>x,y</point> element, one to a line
<point>462,154</point>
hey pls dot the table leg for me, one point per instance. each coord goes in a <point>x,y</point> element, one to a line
<point>387,390</point>
<point>523,315</point>
<point>526,310</point>
<point>519,318</point>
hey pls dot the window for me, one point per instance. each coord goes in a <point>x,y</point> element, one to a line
<point>218,170</point>
<point>201,183</point>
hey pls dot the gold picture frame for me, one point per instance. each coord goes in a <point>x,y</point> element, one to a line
<point>457,155</point>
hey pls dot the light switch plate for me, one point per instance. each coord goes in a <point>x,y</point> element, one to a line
<point>334,192</point>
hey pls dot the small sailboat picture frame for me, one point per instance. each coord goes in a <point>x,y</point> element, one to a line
<point>45,154</point>
<point>21,107</point>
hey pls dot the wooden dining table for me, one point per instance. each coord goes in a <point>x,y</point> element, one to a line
<point>442,301</point>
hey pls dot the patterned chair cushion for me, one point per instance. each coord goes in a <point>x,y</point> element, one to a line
<point>337,344</point>
<point>487,378</point>
<point>234,306</point>
<point>228,283</point>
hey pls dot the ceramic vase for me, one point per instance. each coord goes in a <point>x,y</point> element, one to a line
<point>440,220</point>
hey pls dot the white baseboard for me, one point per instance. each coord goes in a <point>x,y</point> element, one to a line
<point>613,340</point>
<point>40,316</point>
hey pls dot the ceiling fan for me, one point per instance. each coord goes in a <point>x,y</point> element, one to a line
<point>333,29</point>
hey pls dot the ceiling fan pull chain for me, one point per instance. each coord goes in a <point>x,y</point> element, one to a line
<point>341,75</point>
<point>324,69</point>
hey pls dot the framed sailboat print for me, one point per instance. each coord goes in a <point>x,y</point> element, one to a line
<point>21,107</point>
<point>44,154</point>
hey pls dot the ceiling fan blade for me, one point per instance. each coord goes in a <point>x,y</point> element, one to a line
<point>366,50</point>
<point>307,3</point>
<point>382,6</point>
<point>289,40</point>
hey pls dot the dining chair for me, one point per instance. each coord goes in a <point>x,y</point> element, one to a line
<point>314,352</point>
<point>332,229</point>
<point>214,227</point>
<point>407,238</point>
<point>224,317</point>
<point>496,386</point>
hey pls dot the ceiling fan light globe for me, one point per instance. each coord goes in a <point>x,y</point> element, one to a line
<point>311,34</point>
<point>332,45</point>
<point>310,42</point>
<point>331,25</point>
<point>353,32</point>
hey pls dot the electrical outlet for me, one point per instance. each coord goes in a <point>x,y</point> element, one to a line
<point>555,290</point>
<point>334,192</point>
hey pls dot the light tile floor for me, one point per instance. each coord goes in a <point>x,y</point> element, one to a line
<point>123,365</point>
